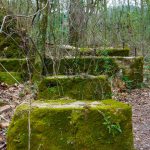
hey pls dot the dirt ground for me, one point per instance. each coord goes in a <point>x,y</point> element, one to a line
<point>140,101</point>
<point>12,96</point>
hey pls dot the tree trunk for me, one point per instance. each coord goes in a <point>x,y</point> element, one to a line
<point>76,22</point>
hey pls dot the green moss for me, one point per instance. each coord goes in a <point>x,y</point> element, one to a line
<point>14,65</point>
<point>133,76</point>
<point>84,49</point>
<point>71,128</point>
<point>10,47</point>
<point>2,14</point>
<point>10,42</point>
<point>10,21</point>
<point>75,87</point>
<point>113,52</point>
<point>104,52</point>
<point>88,65</point>
<point>37,70</point>
<point>128,68</point>
<point>7,78</point>
<point>21,66</point>
<point>56,102</point>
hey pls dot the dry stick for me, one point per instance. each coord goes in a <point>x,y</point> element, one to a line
<point>37,5</point>
<point>27,60</point>
<point>29,126</point>
<point>3,146</point>
<point>4,118</point>
<point>10,74</point>
<point>29,114</point>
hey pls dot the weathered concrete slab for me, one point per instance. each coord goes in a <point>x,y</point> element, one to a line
<point>66,50</point>
<point>13,64</point>
<point>11,77</point>
<point>104,52</point>
<point>130,69</point>
<point>75,87</point>
<point>70,125</point>
<point>13,69</point>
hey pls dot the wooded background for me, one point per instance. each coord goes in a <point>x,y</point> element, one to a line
<point>81,23</point>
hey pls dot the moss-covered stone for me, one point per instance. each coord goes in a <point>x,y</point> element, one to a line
<point>130,69</point>
<point>75,87</point>
<point>66,50</point>
<point>10,21</point>
<point>13,44</point>
<point>10,46</point>
<point>13,65</point>
<point>37,70</point>
<point>78,65</point>
<point>20,66</point>
<point>104,52</point>
<point>113,52</point>
<point>105,125</point>
<point>11,77</point>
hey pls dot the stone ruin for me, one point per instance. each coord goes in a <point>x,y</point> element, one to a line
<point>74,108</point>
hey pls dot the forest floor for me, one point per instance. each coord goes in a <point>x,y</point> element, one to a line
<point>10,97</point>
<point>140,101</point>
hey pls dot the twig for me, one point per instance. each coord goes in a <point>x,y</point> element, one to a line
<point>29,126</point>
<point>4,118</point>
<point>2,146</point>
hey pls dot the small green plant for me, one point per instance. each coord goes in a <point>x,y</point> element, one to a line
<point>127,81</point>
<point>113,128</point>
<point>74,117</point>
<point>21,94</point>
<point>103,52</point>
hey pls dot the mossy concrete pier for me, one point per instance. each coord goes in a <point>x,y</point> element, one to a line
<point>13,70</point>
<point>75,87</point>
<point>130,69</point>
<point>74,109</point>
<point>72,125</point>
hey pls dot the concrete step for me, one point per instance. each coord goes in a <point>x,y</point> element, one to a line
<point>80,87</point>
<point>130,69</point>
<point>11,77</point>
<point>71,125</point>
<point>13,65</point>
